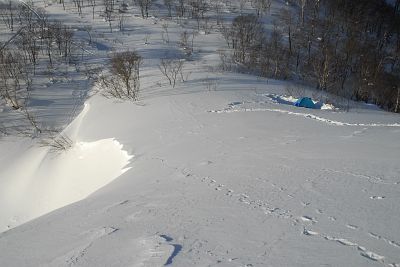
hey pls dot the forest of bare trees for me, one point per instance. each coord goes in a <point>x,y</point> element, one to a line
<point>346,48</point>
<point>35,47</point>
<point>349,48</point>
<point>33,38</point>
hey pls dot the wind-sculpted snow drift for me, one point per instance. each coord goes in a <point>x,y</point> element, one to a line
<point>39,182</point>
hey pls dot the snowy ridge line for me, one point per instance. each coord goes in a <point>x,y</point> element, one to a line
<point>306,115</point>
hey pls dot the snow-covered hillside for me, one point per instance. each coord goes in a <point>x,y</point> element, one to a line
<point>221,170</point>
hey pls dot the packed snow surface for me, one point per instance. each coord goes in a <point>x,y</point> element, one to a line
<point>209,188</point>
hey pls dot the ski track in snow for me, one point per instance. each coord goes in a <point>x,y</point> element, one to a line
<point>305,115</point>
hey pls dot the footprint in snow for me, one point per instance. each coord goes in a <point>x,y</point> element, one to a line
<point>310,233</point>
<point>308,219</point>
<point>229,192</point>
<point>352,226</point>
<point>377,197</point>
<point>219,187</point>
<point>345,242</point>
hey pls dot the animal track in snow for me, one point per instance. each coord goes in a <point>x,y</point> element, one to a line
<point>386,240</point>
<point>351,226</point>
<point>345,242</point>
<point>308,219</point>
<point>285,214</point>
<point>377,197</point>
<point>219,187</point>
<point>359,132</point>
<point>243,198</point>
<point>230,109</point>
<point>370,178</point>
<point>309,232</point>
<point>372,256</point>
<point>74,256</point>
<point>342,241</point>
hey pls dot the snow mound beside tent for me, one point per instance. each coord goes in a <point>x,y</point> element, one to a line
<point>291,100</point>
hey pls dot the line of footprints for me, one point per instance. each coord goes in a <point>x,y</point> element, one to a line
<point>306,221</point>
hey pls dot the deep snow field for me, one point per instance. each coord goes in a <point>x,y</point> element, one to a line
<point>219,171</point>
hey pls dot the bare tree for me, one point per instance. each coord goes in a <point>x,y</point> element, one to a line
<point>78,4</point>
<point>274,56</point>
<point>8,11</point>
<point>245,36</point>
<point>187,42</point>
<point>218,11</point>
<point>302,4</point>
<point>165,33</point>
<point>145,6</point>
<point>92,3</point>
<point>121,21</point>
<point>287,17</point>
<point>124,82</point>
<point>261,6</point>
<point>15,81</point>
<point>171,69</point>
<point>180,8</point>
<point>109,11</point>
<point>169,4</point>
<point>198,8</point>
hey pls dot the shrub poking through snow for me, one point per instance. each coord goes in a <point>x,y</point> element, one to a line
<point>58,143</point>
<point>124,81</point>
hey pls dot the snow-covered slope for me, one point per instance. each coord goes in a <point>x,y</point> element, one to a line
<point>260,187</point>
<point>198,177</point>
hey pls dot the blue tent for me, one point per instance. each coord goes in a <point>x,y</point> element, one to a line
<point>305,102</point>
